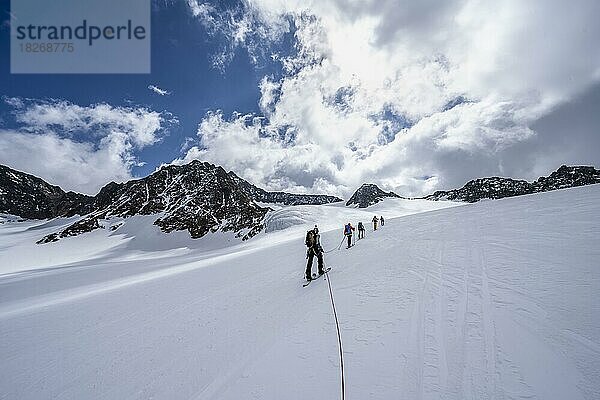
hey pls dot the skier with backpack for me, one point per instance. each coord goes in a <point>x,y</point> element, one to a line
<point>361,230</point>
<point>348,232</point>
<point>313,243</point>
<point>375,220</point>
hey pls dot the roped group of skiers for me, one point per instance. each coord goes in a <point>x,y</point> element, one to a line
<point>314,248</point>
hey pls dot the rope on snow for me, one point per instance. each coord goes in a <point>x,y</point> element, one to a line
<point>337,325</point>
<point>336,248</point>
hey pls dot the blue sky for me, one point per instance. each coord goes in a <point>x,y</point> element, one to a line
<point>181,64</point>
<point>321,96</point>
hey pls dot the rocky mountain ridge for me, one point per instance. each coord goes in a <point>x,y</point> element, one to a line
<point>201,198</point>
<point>31,197</point>
<point>197,197</point>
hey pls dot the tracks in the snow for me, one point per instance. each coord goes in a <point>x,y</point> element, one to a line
<point>451,325</point>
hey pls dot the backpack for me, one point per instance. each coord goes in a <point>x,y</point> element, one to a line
<point>310,238</point>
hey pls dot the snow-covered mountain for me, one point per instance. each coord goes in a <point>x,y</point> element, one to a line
<point>495,299</point>
<point>497,188</point>
<point>202,198</point>
<point>197,197</point>
<point>367,195</point>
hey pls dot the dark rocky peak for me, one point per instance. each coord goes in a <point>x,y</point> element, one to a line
<point>568,176</point>
<point>30,197</point>
<point>263,196</point>
<point>369,194</point>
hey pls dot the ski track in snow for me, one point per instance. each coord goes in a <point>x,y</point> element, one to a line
<point>495,300</point>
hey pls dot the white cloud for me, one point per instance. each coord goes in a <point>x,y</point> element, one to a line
<point>201,10</point>
<point>13,101</point>
<point>72,165</point>
<point>364,68</point>
<point>243,26</point>
<point>158,90</point>
<point>244,145</point>
<point>79,148</point>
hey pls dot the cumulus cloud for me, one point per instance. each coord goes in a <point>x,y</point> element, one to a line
<point>414,95</point>
<point>159,91</point>
<point>79,148</point>
<point>234,143</point>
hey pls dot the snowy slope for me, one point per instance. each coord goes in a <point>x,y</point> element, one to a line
<point>137,238</point>
<point>498,299</point>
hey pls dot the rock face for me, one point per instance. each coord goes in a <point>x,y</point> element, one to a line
<point>288,199</point>
<point>484,188</point>
<point>497,188</point>
<point>566,177</point>
<point>197,197</point>
<point>31,197</point>
<point>369,194</point>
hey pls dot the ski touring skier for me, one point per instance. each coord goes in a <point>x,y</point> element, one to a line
<point>314,248</point>
<point>381,220</point>
<point>375,220</point>
<point>348,232</point>
<point>361,230</point>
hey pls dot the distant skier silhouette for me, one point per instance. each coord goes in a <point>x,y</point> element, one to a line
<point>348,232</point>
<point>375,220</point>
<point>314,248</point>
<point>382,221</point>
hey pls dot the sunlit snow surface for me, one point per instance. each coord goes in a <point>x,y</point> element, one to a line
<point>498,299</point>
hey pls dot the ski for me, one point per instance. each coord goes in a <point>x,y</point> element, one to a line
<point>315,277</point>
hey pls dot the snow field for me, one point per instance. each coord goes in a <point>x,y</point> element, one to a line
<point>497,299</point>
